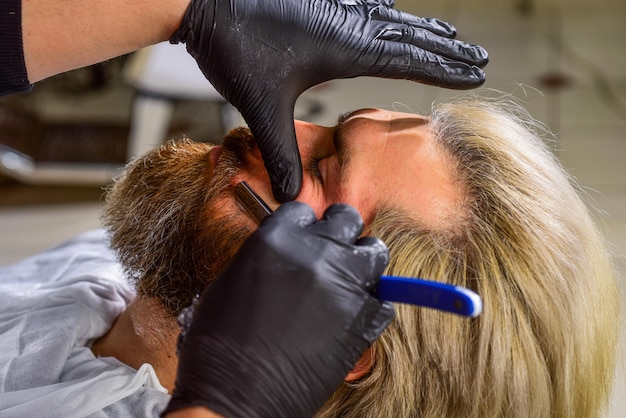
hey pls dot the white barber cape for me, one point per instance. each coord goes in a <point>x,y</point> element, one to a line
<point>52,306</point>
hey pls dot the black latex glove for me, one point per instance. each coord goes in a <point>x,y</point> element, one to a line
<point>262,54</point>
<point>277,332</point>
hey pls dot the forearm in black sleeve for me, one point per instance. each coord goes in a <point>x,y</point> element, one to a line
<point>13,76</point>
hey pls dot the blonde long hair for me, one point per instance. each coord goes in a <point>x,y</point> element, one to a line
<point>545,344</point>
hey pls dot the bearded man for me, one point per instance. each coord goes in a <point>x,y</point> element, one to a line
<point>469,195</point>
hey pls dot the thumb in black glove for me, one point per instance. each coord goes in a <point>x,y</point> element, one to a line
<point>281,327</point>
<point>261,55</point>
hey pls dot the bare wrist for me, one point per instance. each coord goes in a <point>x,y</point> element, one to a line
<point>177,12</point>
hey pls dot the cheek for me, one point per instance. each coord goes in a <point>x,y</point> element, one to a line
<point>253,172</point>
<point>361,192</point>
<point>313,194</point>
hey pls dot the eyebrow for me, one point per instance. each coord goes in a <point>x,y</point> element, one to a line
<point>343,117</point>
<point>338,131</point>
<point>338,139</point>
<point>338,135</point>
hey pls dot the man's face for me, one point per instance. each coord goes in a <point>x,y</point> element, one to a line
<point>175,223</point>
<point>371,159</point>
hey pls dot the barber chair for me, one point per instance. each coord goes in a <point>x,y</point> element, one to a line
<point>162,74</point>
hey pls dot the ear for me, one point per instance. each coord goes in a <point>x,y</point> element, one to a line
<point>363,366</point>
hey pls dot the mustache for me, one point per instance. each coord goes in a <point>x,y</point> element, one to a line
<point>237,145</point>
<point>239,142</point>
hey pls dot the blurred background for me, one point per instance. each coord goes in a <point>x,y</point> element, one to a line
<point>565,61</point>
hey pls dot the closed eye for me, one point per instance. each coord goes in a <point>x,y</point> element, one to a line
<point>313,168</point>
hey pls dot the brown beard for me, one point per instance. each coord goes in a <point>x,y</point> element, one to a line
<point>170,224</point>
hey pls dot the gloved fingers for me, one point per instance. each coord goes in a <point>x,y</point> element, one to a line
<point>387,3</point>
<point>274,132</point>
<point>370,3</point>
<point>297,213</point>
<point>381,315</point>
<point>438,45</point>
<point>412,63</point>
<point>371,256</point>
<point>433,25</point>
<point>376,252</point>
<point>340,222</point>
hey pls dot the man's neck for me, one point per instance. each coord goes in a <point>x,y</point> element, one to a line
<point>143,333</point>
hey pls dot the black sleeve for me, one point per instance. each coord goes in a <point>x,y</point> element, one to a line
<point>13,76</point>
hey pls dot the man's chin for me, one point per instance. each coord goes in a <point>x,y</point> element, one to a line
<point>174,224</point>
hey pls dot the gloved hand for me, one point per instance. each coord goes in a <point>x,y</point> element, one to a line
<point>282,326</point>
<point>261,55</point>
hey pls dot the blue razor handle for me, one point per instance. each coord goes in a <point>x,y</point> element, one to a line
<point>445,297</point>
<point>441,296</point>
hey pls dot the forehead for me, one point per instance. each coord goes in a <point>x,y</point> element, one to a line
<point>408,169</point>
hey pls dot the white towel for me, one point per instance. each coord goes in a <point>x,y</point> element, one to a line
<point>52,306</point>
